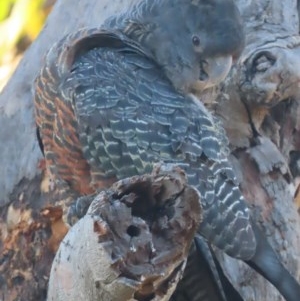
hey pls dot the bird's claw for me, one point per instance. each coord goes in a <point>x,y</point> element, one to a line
<point>79,208</point>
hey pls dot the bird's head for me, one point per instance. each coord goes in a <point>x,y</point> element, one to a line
<point>194,41</point>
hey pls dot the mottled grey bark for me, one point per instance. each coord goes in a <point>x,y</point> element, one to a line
<point>259,105</point>
<point>260,109</point>
<point>129,256</point>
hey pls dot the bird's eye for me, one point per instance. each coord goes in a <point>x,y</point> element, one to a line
<point>196,41</point>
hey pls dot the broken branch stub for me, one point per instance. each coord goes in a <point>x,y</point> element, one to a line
<point>133,242</point>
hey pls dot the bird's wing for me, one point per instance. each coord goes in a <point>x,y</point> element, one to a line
<point>55,118</point>
<point>104,109</point>
<point>130,117</point>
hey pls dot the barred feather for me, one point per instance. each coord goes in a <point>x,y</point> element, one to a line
<point>106,110</point>
<point>127,125</point>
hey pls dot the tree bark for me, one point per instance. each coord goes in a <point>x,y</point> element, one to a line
<point>123,247</point>
<point>258,104</point>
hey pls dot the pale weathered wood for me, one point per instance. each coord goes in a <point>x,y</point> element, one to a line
<point>115,253</point>
<point>266,83</point>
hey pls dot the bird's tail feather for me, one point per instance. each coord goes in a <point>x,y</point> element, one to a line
<point>213,271</point>
<point>266,262</point>
<point>200,280</point>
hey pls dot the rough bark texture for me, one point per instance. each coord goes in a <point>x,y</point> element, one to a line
<point>259,106</point>
<point>260,109</point>
<point>136,252</point>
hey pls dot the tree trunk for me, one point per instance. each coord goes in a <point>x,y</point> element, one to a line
<point>258,104</point>
<point>124,249</point>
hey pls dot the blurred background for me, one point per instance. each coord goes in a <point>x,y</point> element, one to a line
<point>20,23</point>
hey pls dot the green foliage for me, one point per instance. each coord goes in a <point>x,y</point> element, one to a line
<point>19,19</point>
<point>5,7</point>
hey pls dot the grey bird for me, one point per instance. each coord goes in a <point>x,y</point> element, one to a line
<point>112,102</point>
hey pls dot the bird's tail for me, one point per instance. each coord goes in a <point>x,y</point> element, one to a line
<point>221,281</point>
<point>203,278</point>
<point>266,262</point>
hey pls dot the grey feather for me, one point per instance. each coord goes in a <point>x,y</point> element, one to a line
<point>127,134</point>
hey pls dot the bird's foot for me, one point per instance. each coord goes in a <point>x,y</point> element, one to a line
<point>78,208</point>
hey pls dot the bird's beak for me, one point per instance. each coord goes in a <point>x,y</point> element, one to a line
<point>213,70</point>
